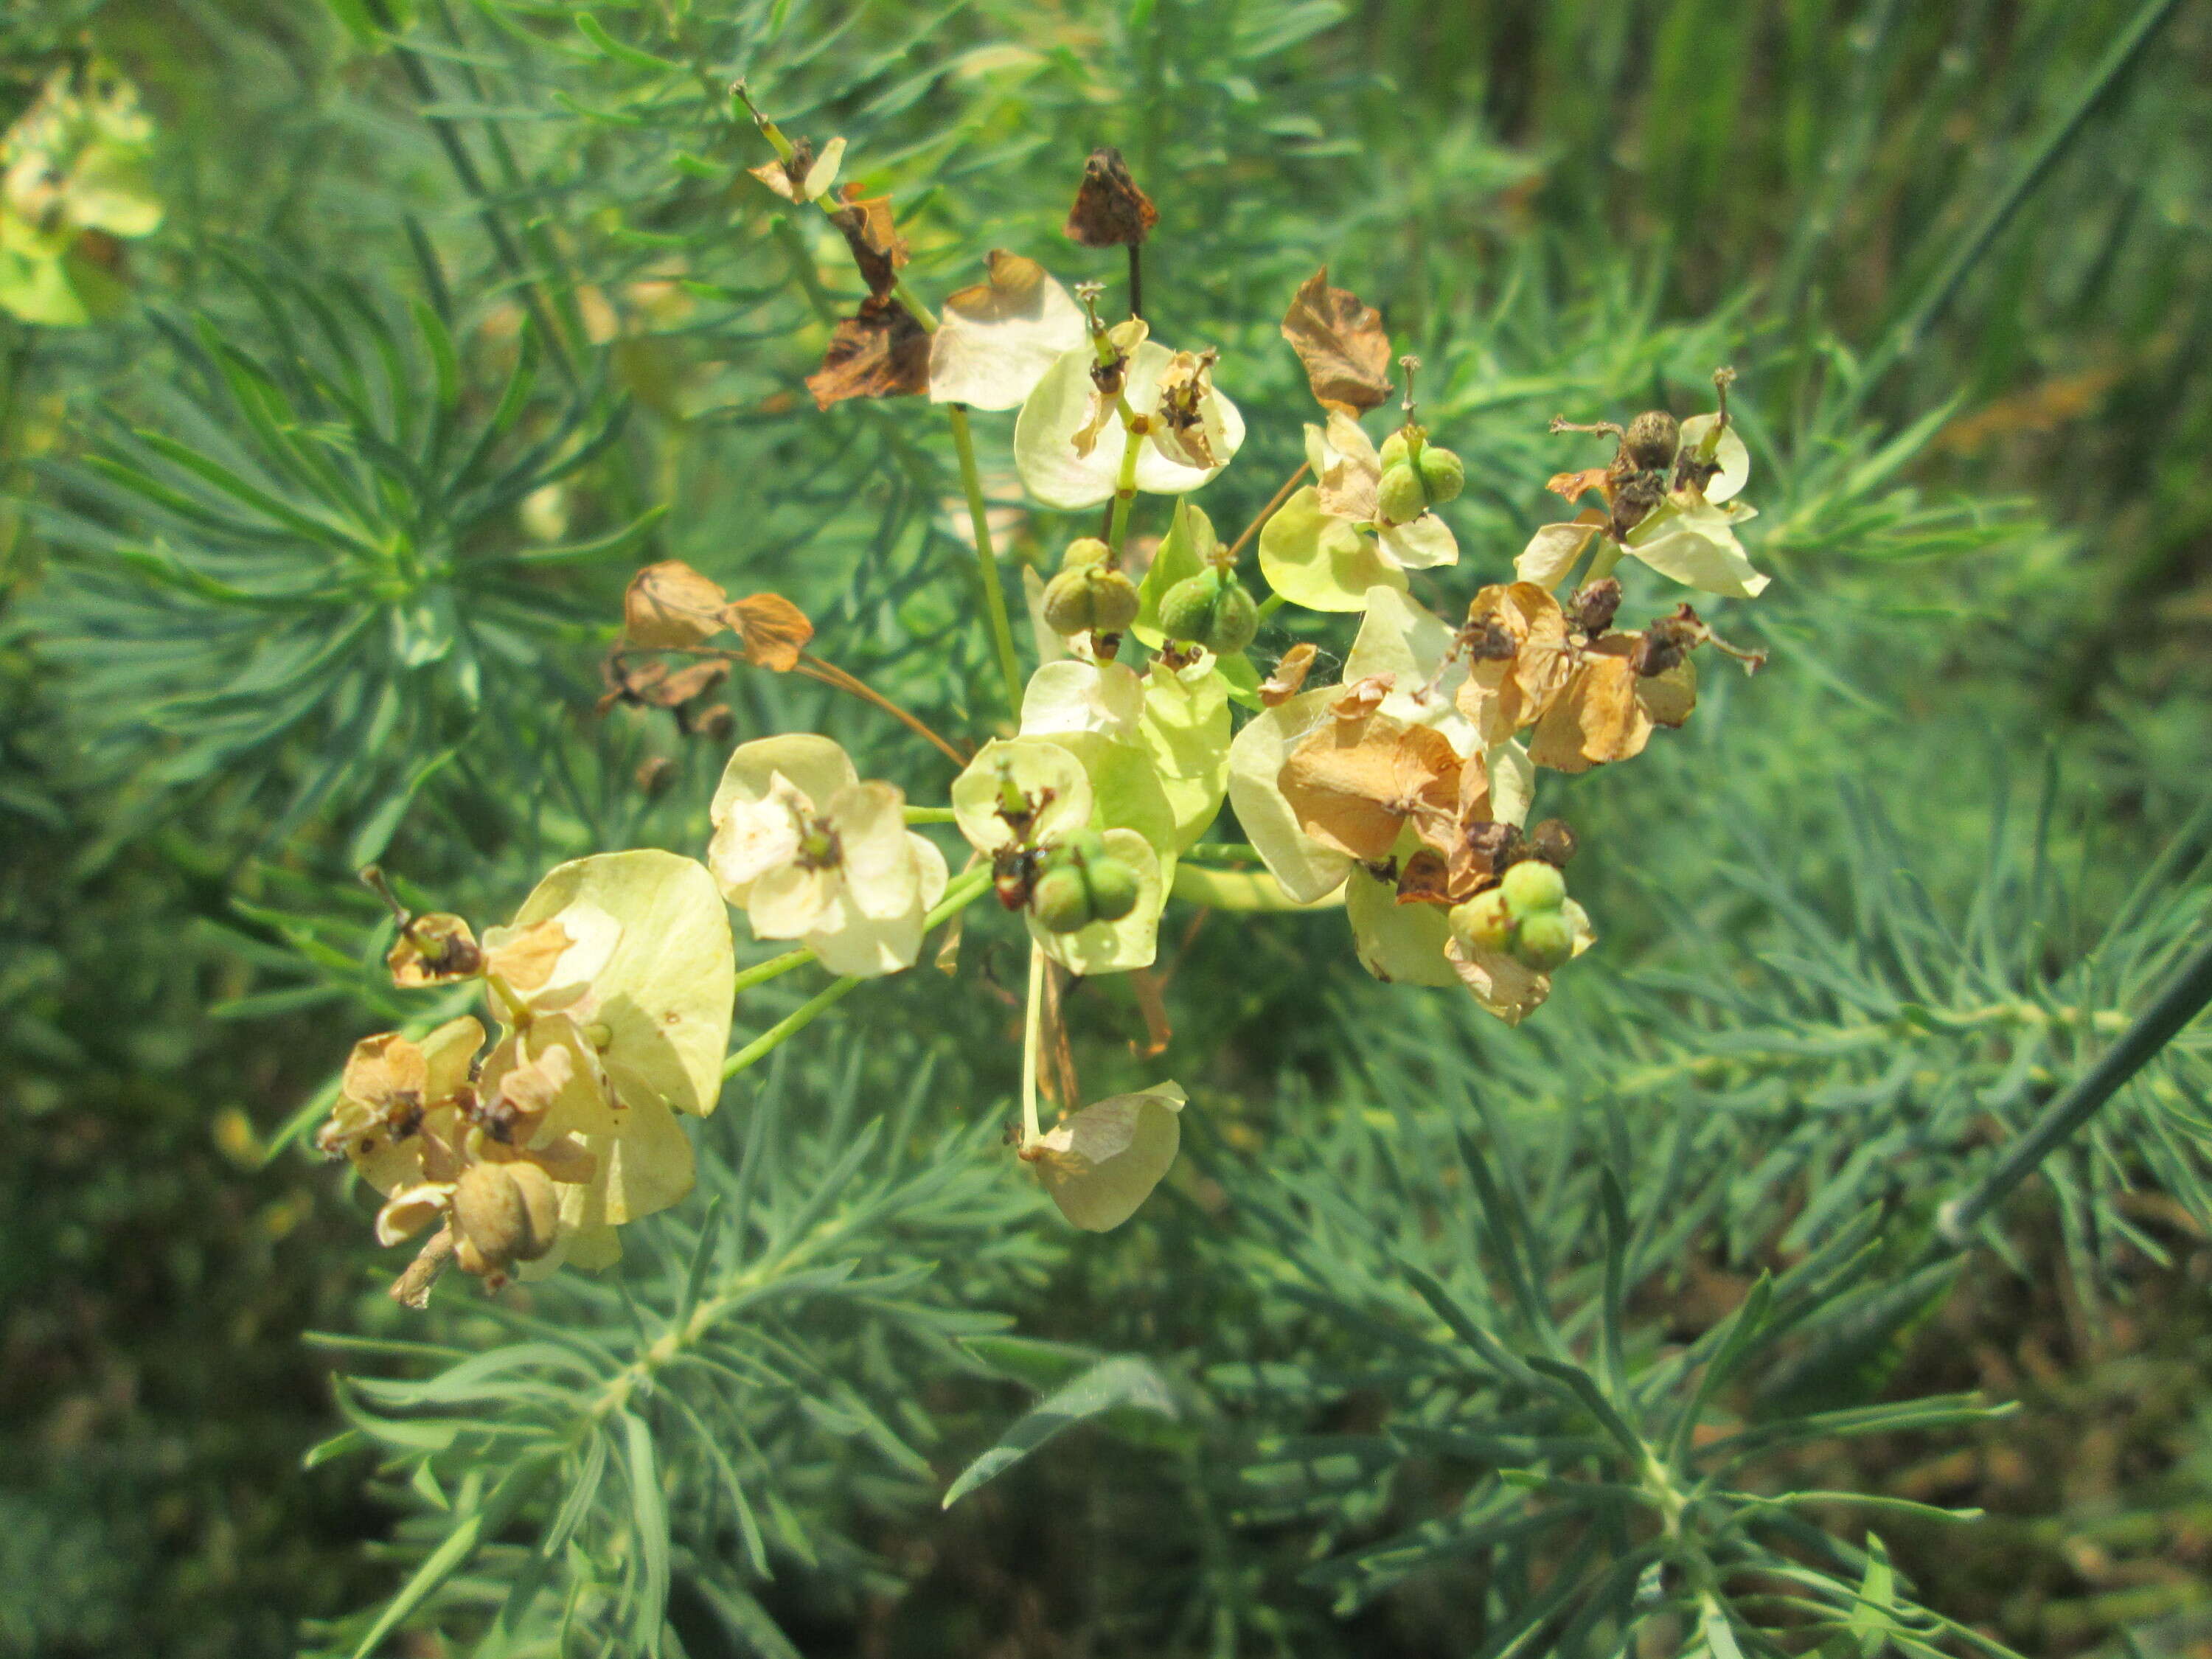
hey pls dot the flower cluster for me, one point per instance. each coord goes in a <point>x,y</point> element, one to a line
<point>1406,790</point>
<point>73,180</point>
<point>612,988</point>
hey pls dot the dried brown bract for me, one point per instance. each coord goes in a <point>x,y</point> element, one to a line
<point>773,629</point>
<point>880,351</point>
<point>670,607</point>
<point>1607,710</point>
<point>1341,343</point>
<point>878,249</point>
<point>1355,782</point>
<point>1109,210</point>
<point>1289,676</point>
<point>1517,639</point>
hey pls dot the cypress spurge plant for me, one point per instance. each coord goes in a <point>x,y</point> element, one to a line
<point>1615,1484</point>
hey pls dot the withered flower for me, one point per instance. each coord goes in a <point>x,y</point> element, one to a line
<point>1517,642</point>
<point>1342,344</point>
<point>1357,781</point>
<point>1607,709</point>
<point>1109,210</point>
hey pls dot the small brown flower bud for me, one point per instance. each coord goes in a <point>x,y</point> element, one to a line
<point>1499,844</point>
<point>1595,606</point>
<point>655,774</point>
<point>1553,841</point>
<point>1489,639</point>
<point>716,723</point>
<point>1109,210</point>
<point>1633,498</point>
<point>1667,641</point>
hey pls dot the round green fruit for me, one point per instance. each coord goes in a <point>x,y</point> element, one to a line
<point>1532,888</point>
<point>1114,889</point>
<point>1403,498</point>
<point>1395,449</point>
<point>1442,475</point>
<point>1084,551</point>
<point>1483,924</point>
<point>1089,599</point>
<point>1543,941</point>
<point>1081,848</point>
<point>1187,609</point>
<point>1236,621</point>
<point>1060,901</point>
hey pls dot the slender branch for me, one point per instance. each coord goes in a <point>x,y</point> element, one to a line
<point>2181,1001</point>
<point>1032,1132</point>
<point>963,892</point>
<point>789,1026</point>
<point>775,968</point>
<point>995,592</point>
<point>931,815</point>
<point>1267,513</point>
<point>828,673</point>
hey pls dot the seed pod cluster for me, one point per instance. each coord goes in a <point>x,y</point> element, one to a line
<point>1089,595</point>
<point>1524,916</point>
<point>1079,882</point>
<point>1416,477</point>
<point>1210,609</point>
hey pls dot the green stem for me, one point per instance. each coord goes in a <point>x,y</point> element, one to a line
<point>1241,889</point>
<point>995,592</point>
<point>789,1026</point>
<point>1032,1130</point>
<point>1125,485</point>
<point>931,815</point>
<point>775,968</point>
<point>964,890</point>
<point>1270,605</point>
<point>2181,1001</point>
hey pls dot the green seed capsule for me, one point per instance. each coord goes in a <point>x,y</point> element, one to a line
<point>1483,923</point>
<point>1543,941</point>
<point>1532,888</point>
<point>1114,889</point>
<point>1186,608</point>
<point>1402,497</point>
<point>1089,599</point>
<point>1443,474</point>
<point>1236,621</point>
<point>1084,551</point>
<point>1079,847</point>
<point>1060,901</point>
<point>1395,449</point>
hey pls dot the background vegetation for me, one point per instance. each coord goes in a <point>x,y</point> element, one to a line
<point>496,268</point>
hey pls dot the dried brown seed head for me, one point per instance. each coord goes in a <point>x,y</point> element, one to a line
<point>1595,606</point>
<point>1652,440</point>
<point>1553,841</point>
<point>1109,210</point>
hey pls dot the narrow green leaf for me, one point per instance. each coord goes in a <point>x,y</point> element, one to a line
<point>1121,1381</point>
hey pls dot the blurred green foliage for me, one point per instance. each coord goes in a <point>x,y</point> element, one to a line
<point>471,309</point>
